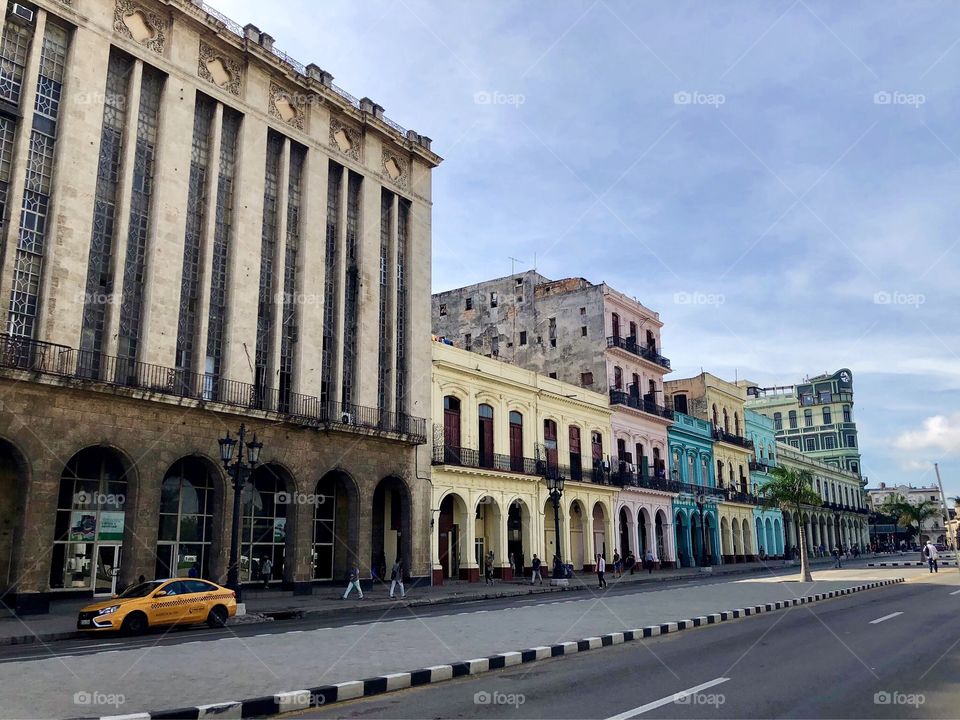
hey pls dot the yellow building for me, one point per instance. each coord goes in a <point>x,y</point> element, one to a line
<point>721,403</point>
<point>497,429</point>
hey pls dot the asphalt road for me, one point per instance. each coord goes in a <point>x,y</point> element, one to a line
<point>890,653</point>
<point>353,615</point>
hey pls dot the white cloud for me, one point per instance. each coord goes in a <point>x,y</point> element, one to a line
<point>940,433</point>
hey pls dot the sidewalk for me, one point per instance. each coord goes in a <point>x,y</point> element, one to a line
<point>265,605</point>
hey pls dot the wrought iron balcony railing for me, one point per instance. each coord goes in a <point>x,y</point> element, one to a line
<point>100,370</point>
<point>729,437</point>
<point>631,345</point>
<point>622,397</point>
<point>444,454</point>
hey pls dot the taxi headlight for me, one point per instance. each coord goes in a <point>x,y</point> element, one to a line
<point>108,610</point>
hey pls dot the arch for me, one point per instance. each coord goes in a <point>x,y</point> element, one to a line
<point>626,536</point>
<point>550,515</point>
<point>578,549</point>
<point>682,540</point>
<point>659,536</point>
<point>737,541</point>
<point>335,528</point>
<point>265,509</point>
<point>489,519</point>
<point>187,536</point>
<point>778,535</point>
<point>644,526</point>
<point>91,520</point>
<point>519,541</point>
<point>599,525</point>
<point>726,541</point>
<point>747,539</point>
<point>14,484</point>
<point>390,522</point>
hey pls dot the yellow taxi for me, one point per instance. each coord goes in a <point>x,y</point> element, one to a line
<point>177,601</point>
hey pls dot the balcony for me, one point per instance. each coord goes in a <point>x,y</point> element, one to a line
<point>95,371</point>
<point>626,474</point>
<point>728,437</point>
<point>444,454</point>
<point>633,400</point>
<point>633,347</point>
<point>760,466</point>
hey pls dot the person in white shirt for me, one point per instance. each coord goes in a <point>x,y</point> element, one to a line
<point>930,550</point>
<point>601,569</point>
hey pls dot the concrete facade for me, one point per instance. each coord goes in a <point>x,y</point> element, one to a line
<point>691,463</point>
<point>769,523</point>
<point>500,429</point>
<point>933,528</point>
<point>225,233</point>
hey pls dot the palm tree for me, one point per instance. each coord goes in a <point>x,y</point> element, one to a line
<point>956,501</point>
<point>789,490</point>
<point>910,515</point>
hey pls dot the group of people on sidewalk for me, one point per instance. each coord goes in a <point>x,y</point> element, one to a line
<point>396,580</point>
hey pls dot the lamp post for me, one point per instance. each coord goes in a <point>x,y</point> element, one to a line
<point>555,487</point>
<point>239,469</point>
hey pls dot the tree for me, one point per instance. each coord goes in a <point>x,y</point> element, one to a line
<point>909,515</point>
<point>789,490</point>
<point>956,501</point>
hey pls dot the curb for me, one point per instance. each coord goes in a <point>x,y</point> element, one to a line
<point>909,564</point>
<point>296,700</point>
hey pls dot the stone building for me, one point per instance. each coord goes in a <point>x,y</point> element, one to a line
<point>503,430</point>
<point>933,527</point>
<point>769,521</point>
<point>198,232</point>
<point>814,417</point>
<point>695,515</point>
<point>597,338</point>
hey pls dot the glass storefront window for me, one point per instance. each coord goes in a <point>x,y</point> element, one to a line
<point>185,530</point>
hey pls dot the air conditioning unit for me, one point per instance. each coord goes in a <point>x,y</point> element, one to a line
<point>20,13</point>
<point>346,418</point>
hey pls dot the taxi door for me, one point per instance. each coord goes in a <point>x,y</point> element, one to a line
<point>199,603</point>
<point>171,607</point>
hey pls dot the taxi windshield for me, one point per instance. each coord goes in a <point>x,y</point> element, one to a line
<point>141,590</point>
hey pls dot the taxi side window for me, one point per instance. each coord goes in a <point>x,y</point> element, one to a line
<point>177,588</point>
<point>198,586</point>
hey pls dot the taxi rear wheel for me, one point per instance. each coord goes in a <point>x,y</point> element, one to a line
<point>217,617</point>
<point>134,624</point>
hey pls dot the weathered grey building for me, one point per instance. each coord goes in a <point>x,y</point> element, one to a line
<point>199,231</point>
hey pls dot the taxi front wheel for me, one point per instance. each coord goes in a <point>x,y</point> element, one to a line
<point>217,617</point>
<point>134,624</point>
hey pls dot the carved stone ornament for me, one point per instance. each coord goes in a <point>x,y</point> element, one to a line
<point>144,26</point>
<point>220,69</point>
<point>345,138</point>
<point>395,168</point>
<point>286,106</point>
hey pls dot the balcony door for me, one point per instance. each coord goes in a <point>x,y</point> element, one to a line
<point>516,441</point>
<point>485,435</point>
<point>576,466</point>
<point>451,429</point>
<point>550,442</point>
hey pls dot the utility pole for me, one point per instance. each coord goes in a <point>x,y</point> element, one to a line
<point>951,537</point>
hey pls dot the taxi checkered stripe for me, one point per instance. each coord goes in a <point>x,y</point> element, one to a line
<point>186,599</point>
<point>294,700</point>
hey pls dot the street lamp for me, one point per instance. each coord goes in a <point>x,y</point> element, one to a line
<point>555,487</point>
<point>701,501</point>
<point>239,470</point>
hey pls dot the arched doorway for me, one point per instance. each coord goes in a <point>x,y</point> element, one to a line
<point>726,545</point>
<point>682,533</point>
<point>91,516</point>
<point>390,522</point>
<point>696,540</point>
<point>577,548</point>
<point>264,507</point>
<point>13,482</point>
<point>761,542</point>
<point>711,533</point>
<point>185,534</point>
<point>336,530</point>
<point>518,536</point>
<point>643,529</point>
<point>600,533</point>
<point>625,546</point>
<point>778,537</point>
<point>550,536</point>
<point>660,536</point>
<point>747,540</point>
<point>737,542</point>
<point>487,539</point>
<point>451,523</point>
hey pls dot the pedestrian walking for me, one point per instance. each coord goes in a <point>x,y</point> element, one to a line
<point>266,569</point>
<point>838,553</point>
<point>617,564</point>
<point>648,561</point>
<point>601,569</point>
<point>396,578</point>
<point>536,570</point>
<point>930,552</point>
<point>488,568</point>
<point>354,582</point>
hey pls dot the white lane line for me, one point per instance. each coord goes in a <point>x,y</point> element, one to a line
<point>955,592</point>
<point>667,700</point>
<point>885,617</point>
<point>293,632</point>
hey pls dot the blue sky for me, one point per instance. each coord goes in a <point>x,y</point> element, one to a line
<point>778,179</point>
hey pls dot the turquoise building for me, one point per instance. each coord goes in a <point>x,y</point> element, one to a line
<point>768,524</point>
<point>690,442</point>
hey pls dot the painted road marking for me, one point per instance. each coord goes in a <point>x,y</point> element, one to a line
<point>885,617</point>
<point>955,592</point>
<point>667,700</point>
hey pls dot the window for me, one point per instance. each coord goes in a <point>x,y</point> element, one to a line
<point>576,465</point>
<point>811,444</point>
<point>851,440</point>
<point>716,421</point>
<point>596,452</point>
<point>680,403</point>
<point>795,444</point>
<point>523,337</point>
<point>331,285</point>
<point>268,244</point>
<point>451,429</point>
<point>495,346</point>
<point>468,304</point>
<point>263,530</point>
<point>846,413</point>
<point>808,418</point>
<point>829,442</point>
<point>550,442</point>
<point>586,378</point>
<point>826,396</point>
<point>618,378</point>
<point>726,421</point>
<point>583,331</point>
<point>552,328</point>
<point>633,331</point>
<point>468,341</point>
<point>185,531</point>
<point>485,427</point>
<point>792,417</point>
<point>553,375</point>
<point>806,399</point>
<point>778,421</point>
<point>720,472</point>
<point>493,299</point>
<point>443,309</point>
<point>827,416</point>
<point>615,320</point>
<point>583,311</point>
<point>516,441</point>
<point>736,424</point>
<point>519,282</point>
